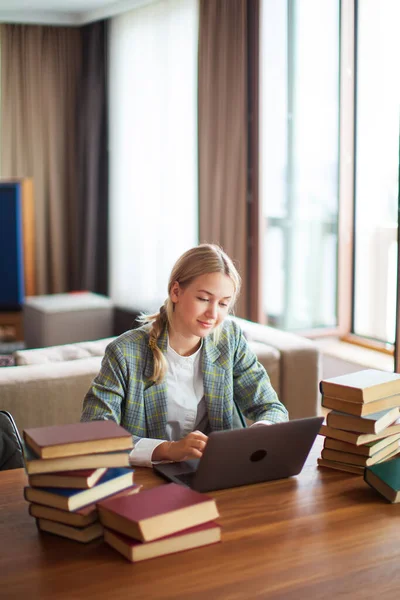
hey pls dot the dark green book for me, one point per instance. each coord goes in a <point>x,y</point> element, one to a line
<point>385,478</point>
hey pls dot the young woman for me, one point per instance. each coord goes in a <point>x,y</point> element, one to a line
<point>187,370</point>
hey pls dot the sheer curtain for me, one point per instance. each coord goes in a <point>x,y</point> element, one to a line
<point>153,147</point>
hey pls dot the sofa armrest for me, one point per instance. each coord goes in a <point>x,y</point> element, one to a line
<point>300,367</point>
<point>47,394</point>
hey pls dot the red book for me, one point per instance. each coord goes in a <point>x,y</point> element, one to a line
<point>77,438</point>
<point>79,518</point>
<point>85,478</point>
<point>194,537</point>
<point>157,512</point>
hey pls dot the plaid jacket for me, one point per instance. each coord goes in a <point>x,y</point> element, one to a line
<point>123,392</point>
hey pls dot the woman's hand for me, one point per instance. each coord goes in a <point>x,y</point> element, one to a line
<point>191,446</point>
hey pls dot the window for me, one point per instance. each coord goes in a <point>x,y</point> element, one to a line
<point>376,168</point>
<point>299,161</point>
<point>153,147</point>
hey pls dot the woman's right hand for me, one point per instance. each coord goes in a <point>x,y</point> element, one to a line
<point>191,446</point>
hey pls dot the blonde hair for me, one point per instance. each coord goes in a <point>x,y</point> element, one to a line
<point>200,260</point>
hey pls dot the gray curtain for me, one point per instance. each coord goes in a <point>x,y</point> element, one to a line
<point>89,210</point>
<point>40,70</point>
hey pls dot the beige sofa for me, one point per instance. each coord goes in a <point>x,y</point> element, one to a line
<point>49,384</point>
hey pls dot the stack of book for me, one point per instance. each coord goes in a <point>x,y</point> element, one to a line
<point>163,520</point>
<point>70,468</point>
<point>363,426</point>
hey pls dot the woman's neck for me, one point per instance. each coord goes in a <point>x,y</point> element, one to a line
<point>185,346</point>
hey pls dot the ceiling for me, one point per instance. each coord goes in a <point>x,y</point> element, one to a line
<point>63,12</point>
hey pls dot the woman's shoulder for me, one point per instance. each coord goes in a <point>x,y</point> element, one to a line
<point>129,341</point>
<point>231,327</point>
<point>230,332</point>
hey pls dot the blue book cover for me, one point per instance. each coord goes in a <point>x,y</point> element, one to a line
<point>11,247</point>
<point>114,480</point>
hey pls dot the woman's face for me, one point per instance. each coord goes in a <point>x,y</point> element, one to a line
<point>202,305</point>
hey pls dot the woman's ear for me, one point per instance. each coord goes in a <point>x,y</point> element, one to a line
<point>175,291</point>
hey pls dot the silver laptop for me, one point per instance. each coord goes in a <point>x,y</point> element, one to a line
<point>244,456</point>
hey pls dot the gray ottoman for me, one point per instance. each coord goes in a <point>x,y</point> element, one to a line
<point>56,319</point>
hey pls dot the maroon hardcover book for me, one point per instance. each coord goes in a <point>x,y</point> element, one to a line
<point>194,537</point>
<point>77,438</point>
<point>157,512</point>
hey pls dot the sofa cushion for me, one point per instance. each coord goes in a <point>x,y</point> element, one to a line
<point>62,353</point>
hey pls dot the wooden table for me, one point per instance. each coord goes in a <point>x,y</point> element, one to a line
<point>323,534</point>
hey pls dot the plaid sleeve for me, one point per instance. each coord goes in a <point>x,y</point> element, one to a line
<point>253,391</point>
<point>107,393</point>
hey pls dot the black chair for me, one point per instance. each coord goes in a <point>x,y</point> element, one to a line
<point>11,452</point>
